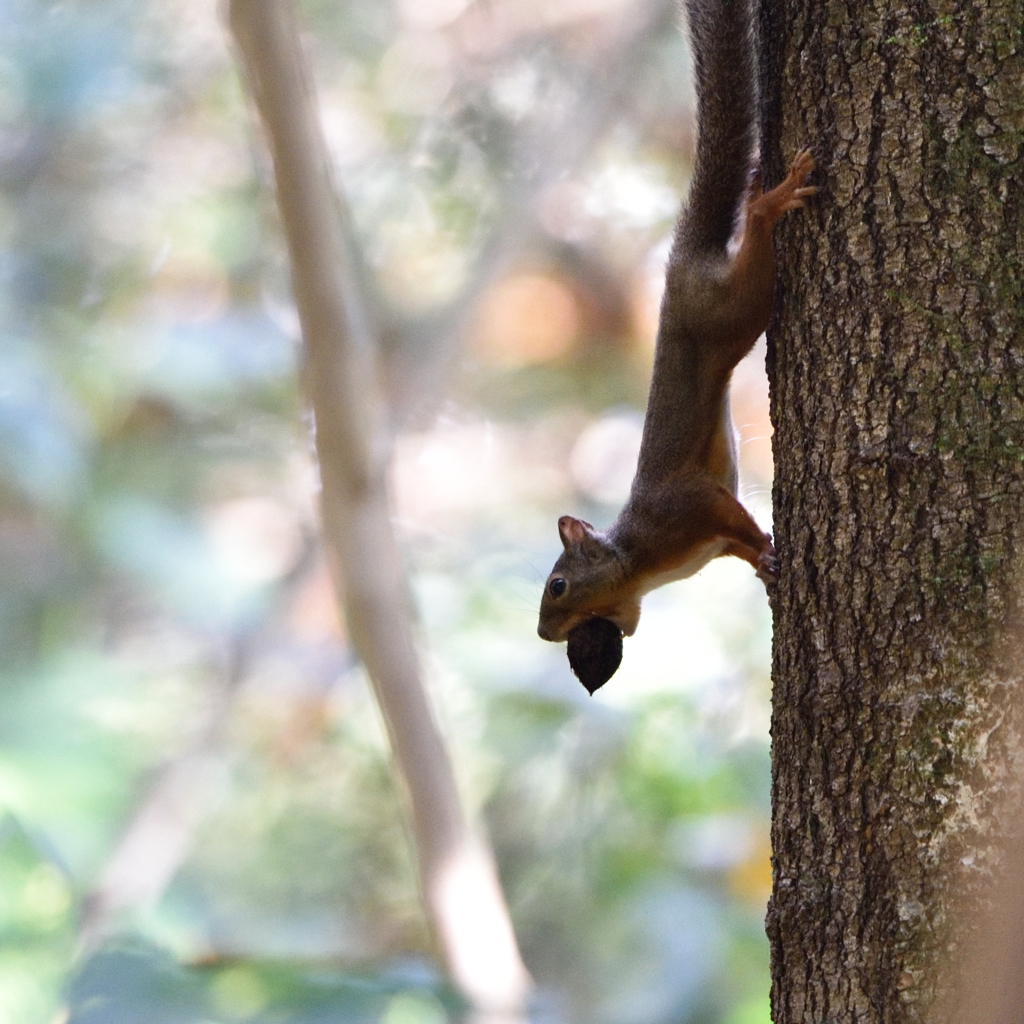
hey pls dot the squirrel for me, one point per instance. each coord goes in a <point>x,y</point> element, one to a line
<point>682,509</point>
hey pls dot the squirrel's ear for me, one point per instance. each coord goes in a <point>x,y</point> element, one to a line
<point>575,532</point>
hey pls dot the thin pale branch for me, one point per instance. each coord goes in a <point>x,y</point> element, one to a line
<point>461,892</point>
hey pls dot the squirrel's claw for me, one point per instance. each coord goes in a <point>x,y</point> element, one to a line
<point>789,195</point>
<point>768,565</point>
<point>803,164</point>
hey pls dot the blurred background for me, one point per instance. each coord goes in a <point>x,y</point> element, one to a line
<point>191,760</point>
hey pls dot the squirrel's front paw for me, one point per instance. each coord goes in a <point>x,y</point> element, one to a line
<point>768,565</point>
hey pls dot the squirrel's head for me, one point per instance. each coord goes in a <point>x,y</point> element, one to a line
<point>588,580</point>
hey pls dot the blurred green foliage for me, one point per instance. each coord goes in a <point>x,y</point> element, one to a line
<point>163,603</point>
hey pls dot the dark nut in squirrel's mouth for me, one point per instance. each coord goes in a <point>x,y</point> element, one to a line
<point>595,652</point>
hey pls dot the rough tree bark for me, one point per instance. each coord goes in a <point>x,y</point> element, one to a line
<point>896,363</point>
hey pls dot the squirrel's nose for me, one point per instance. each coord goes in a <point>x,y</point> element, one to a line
<point>542,632</point>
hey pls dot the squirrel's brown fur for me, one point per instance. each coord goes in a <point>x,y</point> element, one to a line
<point>682,510</point>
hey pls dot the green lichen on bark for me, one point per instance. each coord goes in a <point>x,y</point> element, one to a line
<point>897,370</point>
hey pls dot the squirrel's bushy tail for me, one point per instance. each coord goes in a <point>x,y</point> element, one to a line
<point>725,62</point>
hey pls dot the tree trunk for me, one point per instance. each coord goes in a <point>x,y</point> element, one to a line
<point>896,362</point>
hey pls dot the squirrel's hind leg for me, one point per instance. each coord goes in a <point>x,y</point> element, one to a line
<point>751,281</point>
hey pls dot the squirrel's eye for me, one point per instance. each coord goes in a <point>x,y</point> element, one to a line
<point>556,588</point>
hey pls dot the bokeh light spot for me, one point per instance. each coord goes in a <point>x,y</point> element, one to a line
<point>603,459</point>
<point>239,993</point>
<point>527,318</point>
<point>410,1009</point>
<point>46,897</point>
